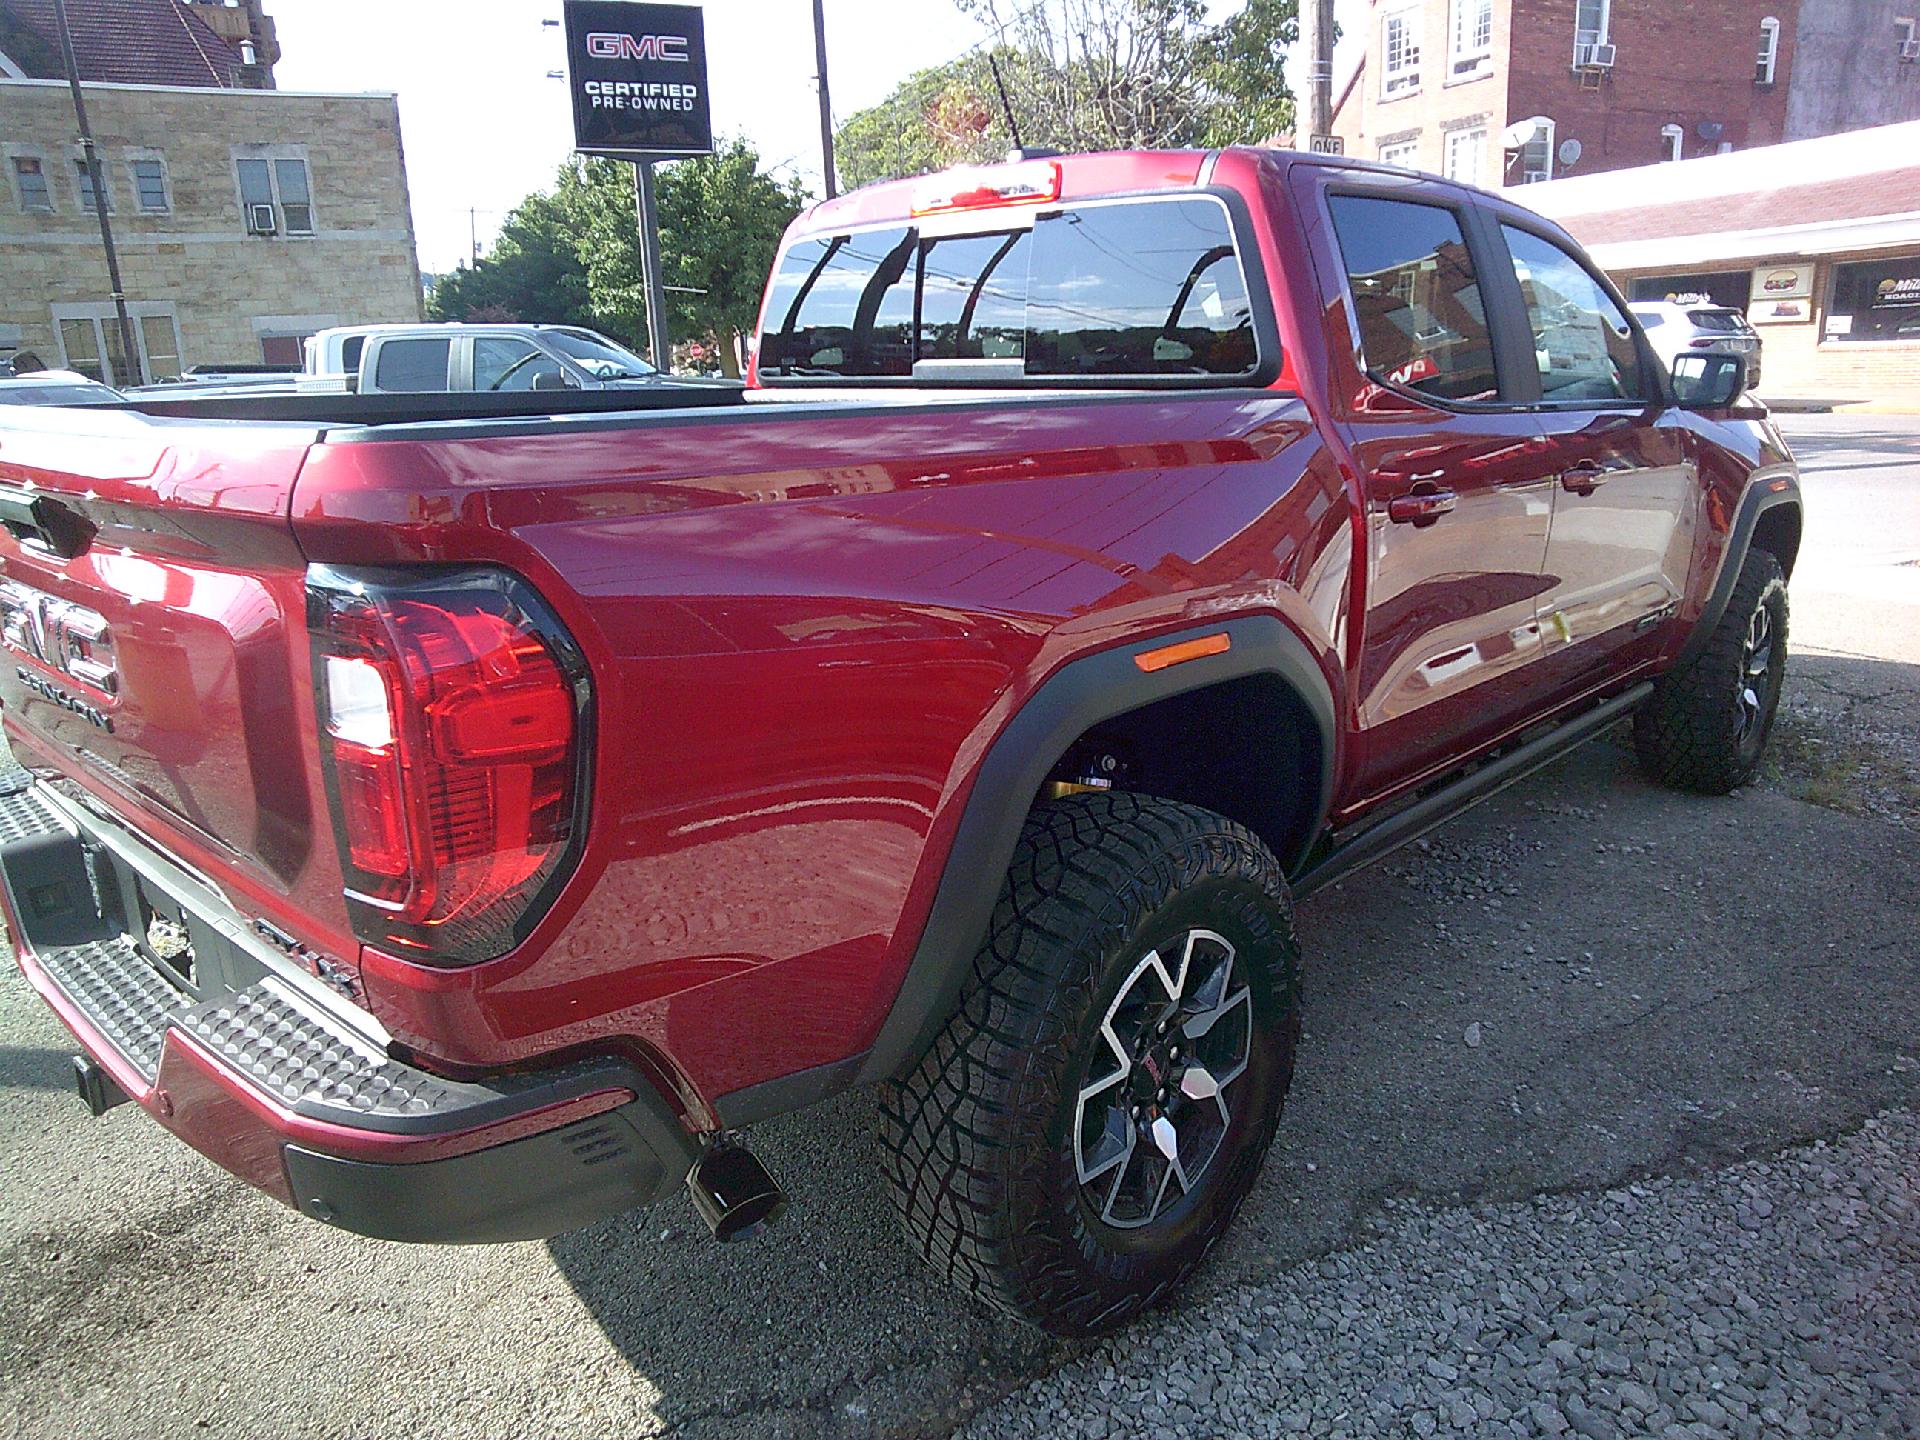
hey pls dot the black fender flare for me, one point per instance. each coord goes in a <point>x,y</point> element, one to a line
<point>1079,695</point>
<point>1762,495</point>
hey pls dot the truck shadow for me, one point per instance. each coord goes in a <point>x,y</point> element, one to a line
<point>1654,982</point>
<point>34,1067</point>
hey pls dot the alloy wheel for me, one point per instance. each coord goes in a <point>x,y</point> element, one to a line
<point>1155,1111</point>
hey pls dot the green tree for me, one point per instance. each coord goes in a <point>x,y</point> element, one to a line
<point>534,273</point>
<point>572,254</point>
<point>1085,75</point>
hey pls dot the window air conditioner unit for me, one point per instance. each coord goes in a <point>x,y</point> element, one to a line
<point>1910,50</point>
<point>1593,57</point>
<point>260,220</point>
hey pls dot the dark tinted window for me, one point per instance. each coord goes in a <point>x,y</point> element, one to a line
<point>1423,324</point>
<point>1726,322</point>
<point>412,365</point>
<point>973,297</point>
<point>842,306</point>
<point>1581,339</point>
<point>1153,288</point>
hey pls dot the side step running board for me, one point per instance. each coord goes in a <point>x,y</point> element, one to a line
<point>1387,835</point>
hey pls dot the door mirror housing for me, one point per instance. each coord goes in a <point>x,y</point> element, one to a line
<point>551,380</point>
<point>1708,381</point>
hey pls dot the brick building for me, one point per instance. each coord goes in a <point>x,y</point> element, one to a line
<point>1612,84</point>
<point>245,218</point>
<point>1817,240</point>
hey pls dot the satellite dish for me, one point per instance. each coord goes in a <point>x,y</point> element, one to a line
<point>1569,152</point>
<point>1521,132</point>
<point>1711,129</point>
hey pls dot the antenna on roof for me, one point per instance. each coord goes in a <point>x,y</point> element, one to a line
<point>1013,125</point>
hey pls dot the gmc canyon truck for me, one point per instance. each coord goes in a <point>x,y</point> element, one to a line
<point>464,828</point>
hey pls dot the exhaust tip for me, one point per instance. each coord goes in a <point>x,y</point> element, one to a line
<point>97,1088</point>
<point>734,1193</point>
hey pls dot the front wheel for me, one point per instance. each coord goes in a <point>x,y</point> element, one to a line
<point>1087,1125</point>
<point>1707,724</point>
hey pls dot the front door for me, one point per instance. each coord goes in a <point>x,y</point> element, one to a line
<point>1458,491</point>
<point>1626,491</point>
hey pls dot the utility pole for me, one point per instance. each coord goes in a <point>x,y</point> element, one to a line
<point>650,265</point>
<point>1316,29</point>
<point>129,347</point>
<point>826,104</point>
<point>473,232</point>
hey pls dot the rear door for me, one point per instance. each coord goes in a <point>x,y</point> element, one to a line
<point>1625,492</point>
<point>1456,487</point>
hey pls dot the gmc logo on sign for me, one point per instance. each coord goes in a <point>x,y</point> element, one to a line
<point>603,45</point>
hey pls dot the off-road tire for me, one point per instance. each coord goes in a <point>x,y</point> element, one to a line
<point>978,1142</point>
<point>1690,734</point>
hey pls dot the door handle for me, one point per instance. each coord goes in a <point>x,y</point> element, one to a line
<point>1583,478</point>
<point>1421,507</point>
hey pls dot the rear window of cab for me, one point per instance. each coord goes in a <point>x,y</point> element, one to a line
<point>1104,290</point>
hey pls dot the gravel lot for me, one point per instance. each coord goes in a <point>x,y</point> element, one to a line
<point>1667,993</point>
<point>1776,1298</point>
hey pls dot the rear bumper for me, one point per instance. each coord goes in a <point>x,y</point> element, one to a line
<point>293,1090</point>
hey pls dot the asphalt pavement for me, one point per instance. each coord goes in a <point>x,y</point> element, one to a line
<point>1586,989</point>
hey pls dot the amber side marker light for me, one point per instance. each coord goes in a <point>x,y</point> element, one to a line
<point>1152,660</point>
<point>1778,485</point>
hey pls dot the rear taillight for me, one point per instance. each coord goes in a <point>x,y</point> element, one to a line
<point>454,721</point>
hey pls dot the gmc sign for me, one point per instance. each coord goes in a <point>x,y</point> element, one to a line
<point>638,75</point>
<point>604,46</point>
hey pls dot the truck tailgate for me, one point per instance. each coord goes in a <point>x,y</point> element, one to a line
<point>154,621</point>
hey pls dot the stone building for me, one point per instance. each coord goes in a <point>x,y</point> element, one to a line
<point>245,218</point>
<point>1612,84</point>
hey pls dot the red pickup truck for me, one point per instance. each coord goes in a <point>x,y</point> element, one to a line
<point>461,816</point>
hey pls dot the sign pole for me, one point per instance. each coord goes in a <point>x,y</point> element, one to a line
<point>130,356</point>
<point>650,264</point>
<point>638,73</point>
<point>826,103</point>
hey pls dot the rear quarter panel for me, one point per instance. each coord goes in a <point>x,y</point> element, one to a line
<point>806,623</point>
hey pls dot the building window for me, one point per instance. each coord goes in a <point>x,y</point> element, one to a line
<point>1673,140</point>
<point>83,187</point>
<point>1471,47</point>
<point>1400,46</point>
<point>1536,156</point>
<point>30,184</point>
<point>1401,152</point>
<point>1769,51</point>
<point>276,194</point>
<point>1875,300</point>
<point>1465,149</point>
<point>150,186</point>
<point>90,342</point>
<point>1592,22</point>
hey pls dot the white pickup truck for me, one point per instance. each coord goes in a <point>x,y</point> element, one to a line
<point>412,359</point>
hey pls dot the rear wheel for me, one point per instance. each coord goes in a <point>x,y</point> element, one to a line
<point>1706,726</point>
<point>1087,1125</point>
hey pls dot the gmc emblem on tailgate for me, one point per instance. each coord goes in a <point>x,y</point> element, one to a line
<point>62,636</point>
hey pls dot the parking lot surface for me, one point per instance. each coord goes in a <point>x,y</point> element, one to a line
<point>1587,1004</point>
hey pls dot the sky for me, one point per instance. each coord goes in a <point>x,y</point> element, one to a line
<point>483,126</point>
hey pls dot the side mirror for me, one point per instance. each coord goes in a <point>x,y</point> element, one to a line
<point>551,380</point>
<point>1708,381</point>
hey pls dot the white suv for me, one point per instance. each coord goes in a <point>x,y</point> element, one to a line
<point>1675,327</point>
